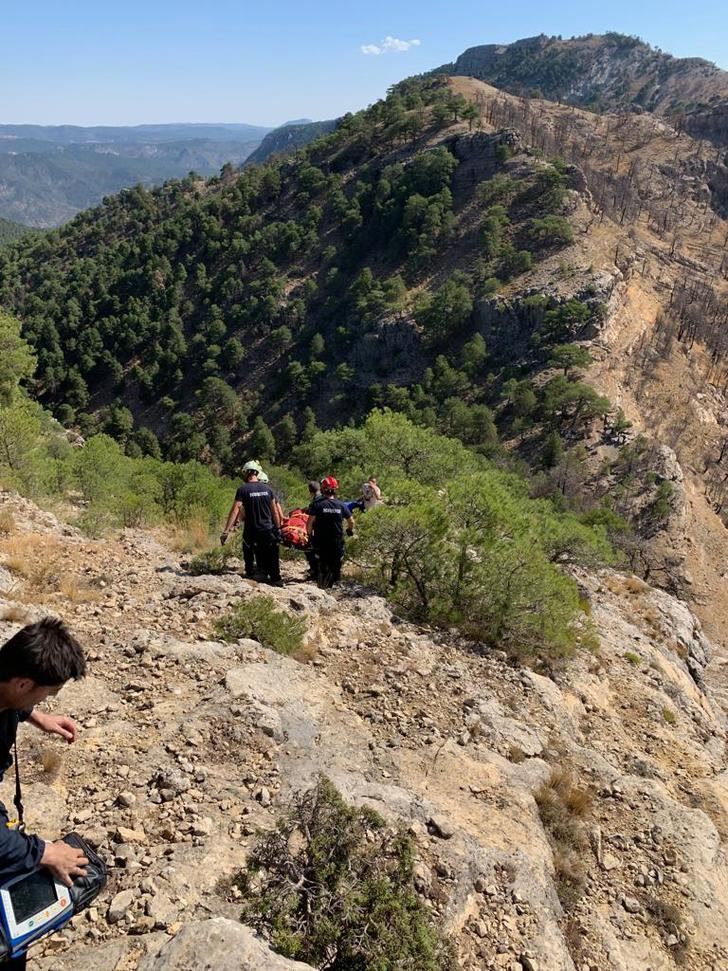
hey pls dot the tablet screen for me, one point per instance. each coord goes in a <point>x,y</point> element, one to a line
<point>32,895</point>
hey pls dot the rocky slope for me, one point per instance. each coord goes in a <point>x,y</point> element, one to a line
<point>636,259</point>
<point>189,747</point>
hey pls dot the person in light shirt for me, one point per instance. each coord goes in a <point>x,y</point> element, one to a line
<point>371,493</point>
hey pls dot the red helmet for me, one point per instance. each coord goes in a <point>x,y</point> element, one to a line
<point>329,483</point>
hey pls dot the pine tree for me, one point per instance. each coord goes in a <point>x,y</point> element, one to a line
<point>262,443</point>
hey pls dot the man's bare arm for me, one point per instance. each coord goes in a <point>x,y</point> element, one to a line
<point>54,724</point>
<point>235,510</point>
<point>276,512</point>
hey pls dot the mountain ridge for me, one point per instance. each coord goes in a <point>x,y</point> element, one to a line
<point>611,71</point>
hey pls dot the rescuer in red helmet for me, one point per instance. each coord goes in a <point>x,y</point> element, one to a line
<point>327,516</point>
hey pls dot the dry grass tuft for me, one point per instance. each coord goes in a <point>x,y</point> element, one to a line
<point>306,654</point>
<point>51,760</point>
<point>15,613</point>
<point>44,566</point>
<point>634,585</point>
<point>563,807</point>
<point>76,590</point>
<point>652,619</point>
<point>669,920</point>
<point>677,647</point>
<point>575,938</point>
<point>190,538</point>
<point>7,522</point>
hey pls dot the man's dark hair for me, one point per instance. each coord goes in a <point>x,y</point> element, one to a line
<point>314,486</point>
<point>45,652</point>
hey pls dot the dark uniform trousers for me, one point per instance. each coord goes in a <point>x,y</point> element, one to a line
<point>330,553</point>
<point>313,564</point>
<point>261,546</point>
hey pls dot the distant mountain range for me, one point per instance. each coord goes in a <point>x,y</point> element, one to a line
<point>49,173</point>
<point>136,134</point>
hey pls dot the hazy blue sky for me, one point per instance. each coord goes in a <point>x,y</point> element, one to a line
<point>84,62</point>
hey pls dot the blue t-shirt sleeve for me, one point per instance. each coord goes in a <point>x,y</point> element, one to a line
<point>239,495</point>
<point>345,511</point>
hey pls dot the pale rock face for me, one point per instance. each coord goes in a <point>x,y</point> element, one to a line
<point>220,944</point>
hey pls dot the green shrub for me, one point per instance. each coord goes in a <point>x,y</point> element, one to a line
<point>20,458</point>
<point>460,543</point>
<point>262,619</point>
<point>17,361</point>
<point>478,554</point>
<point>551,231</point>
<point>95,521</point>
<point>496,189</point>
<point>661,507</point>
<point>444,314</point>
<point>212,562</point>
<point>334,888</point>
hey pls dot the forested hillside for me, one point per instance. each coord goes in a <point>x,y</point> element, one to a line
<point>206,314</point>
<point>47,189</point>
<point>10,231</point>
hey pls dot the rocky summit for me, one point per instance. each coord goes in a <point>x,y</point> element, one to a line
<point>563,819</point>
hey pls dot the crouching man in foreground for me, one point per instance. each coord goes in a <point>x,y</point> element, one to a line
<point>34,665</point>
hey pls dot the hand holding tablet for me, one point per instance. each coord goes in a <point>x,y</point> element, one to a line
<point>65,862</point>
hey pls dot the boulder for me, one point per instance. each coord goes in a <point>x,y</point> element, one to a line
<point>219,944</point>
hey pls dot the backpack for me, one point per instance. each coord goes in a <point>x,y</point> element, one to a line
<point>293,530</point>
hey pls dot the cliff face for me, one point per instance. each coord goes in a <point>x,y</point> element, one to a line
<point>189,747</point>
<point>609,72</point>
